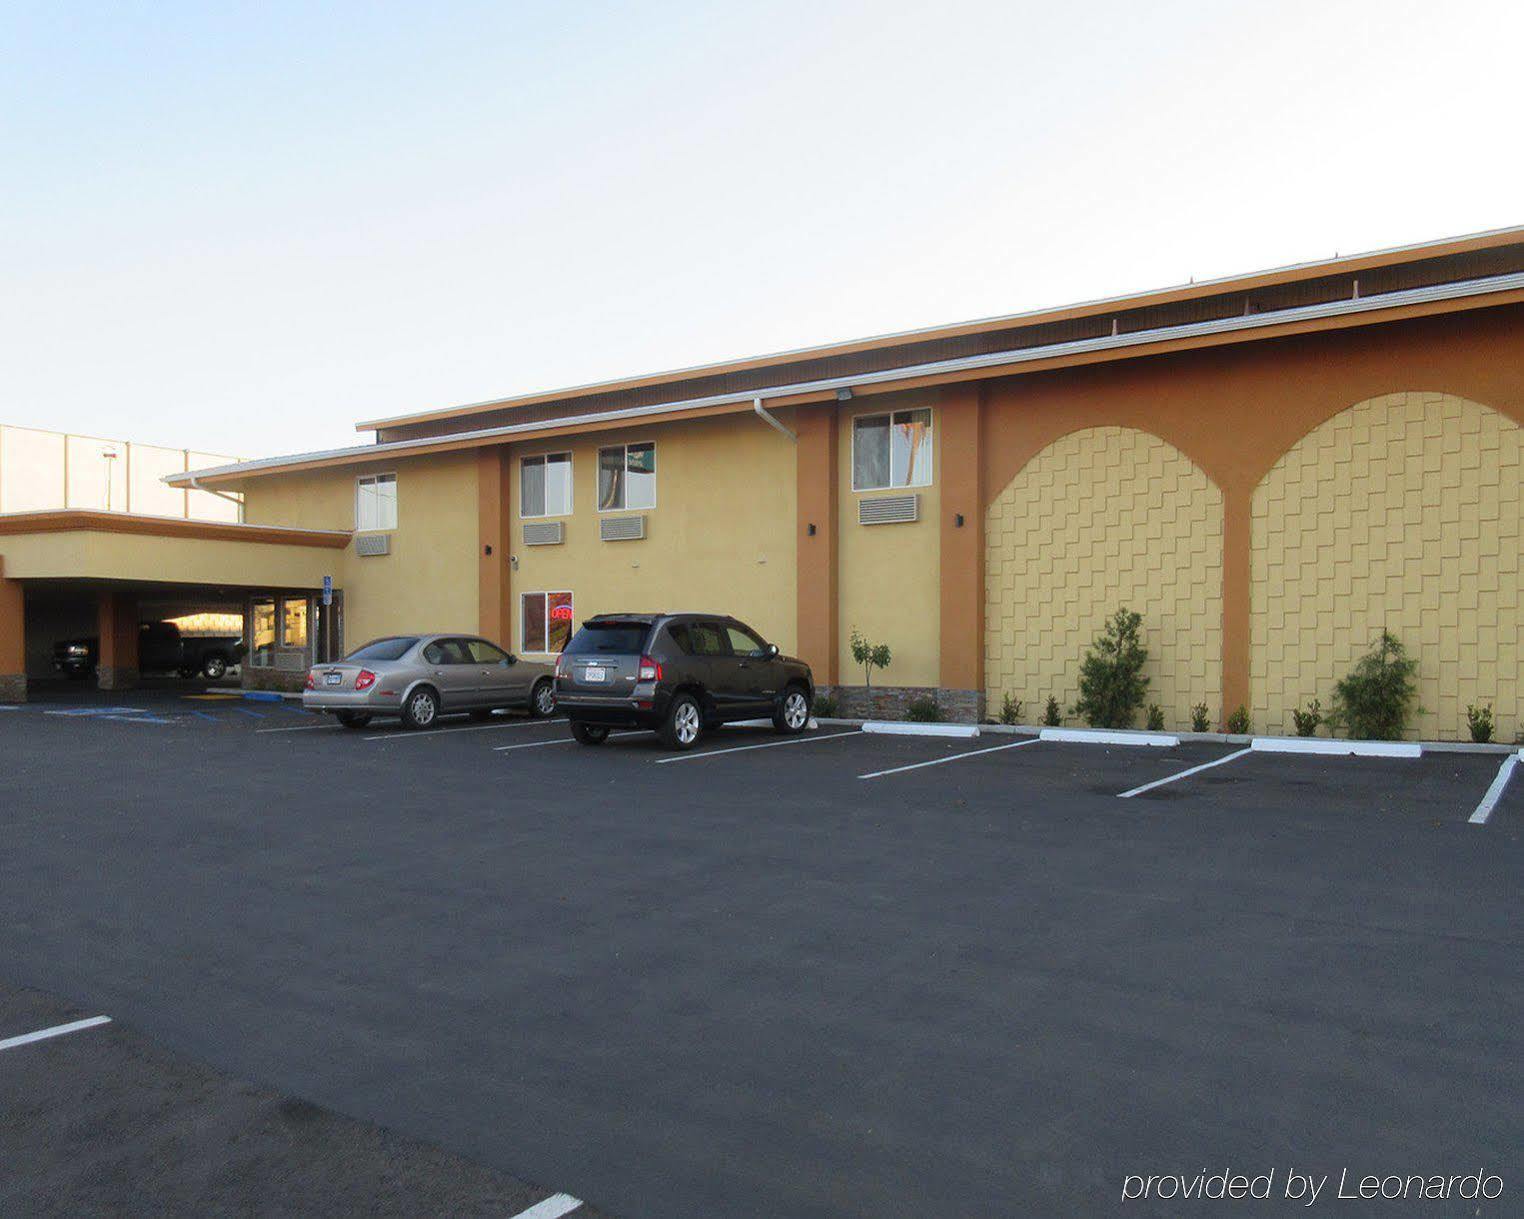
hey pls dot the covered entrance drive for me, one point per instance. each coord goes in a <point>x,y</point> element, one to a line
<point>108,597</point>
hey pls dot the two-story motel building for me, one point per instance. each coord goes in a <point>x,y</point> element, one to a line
<point>1271,468</point>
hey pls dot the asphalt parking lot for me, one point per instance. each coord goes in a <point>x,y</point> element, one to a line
<point>839,975</point>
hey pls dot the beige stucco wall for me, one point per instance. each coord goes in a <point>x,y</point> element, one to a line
<point>429,580</point>
<point>1102,518</point>
<point>888,579</point>
<point>1401,512</point>
<point>721,537</point>
<point>104,555</point>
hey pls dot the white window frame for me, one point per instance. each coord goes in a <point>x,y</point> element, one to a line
<point>598,475</point>
<point>571,483</point>
<point>931,458</point>
<point>360,481</point>
<point>524,649</point>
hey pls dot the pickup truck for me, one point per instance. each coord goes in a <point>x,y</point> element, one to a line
<point>161,649</point>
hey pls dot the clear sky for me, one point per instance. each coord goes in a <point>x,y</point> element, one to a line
<point>242,227</point>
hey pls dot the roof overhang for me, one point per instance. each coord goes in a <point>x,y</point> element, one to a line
<point>79,520</point>
<point>1355,311</point>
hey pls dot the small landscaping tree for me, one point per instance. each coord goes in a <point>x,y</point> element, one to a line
<point>1051,716</point>
<point>1479,720</point>
<point>825,706</point>
<point>1307,721</point>
<point>1155,718</point>
<point>1112,685</point>
<point>1374,702</point>
<point>1201,718</point>
<point>1010,710</point>
<point>870,655</point>
<point>1238,722</point>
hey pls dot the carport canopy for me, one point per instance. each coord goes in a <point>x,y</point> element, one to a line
<point>117,560</point>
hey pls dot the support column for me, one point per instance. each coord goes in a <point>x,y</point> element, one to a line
<point>117,618</point>
<point>1236,577</point>
<point>12,639</point>
<point>959,432</point>
<point>494,544</point>
<point>817,599</point>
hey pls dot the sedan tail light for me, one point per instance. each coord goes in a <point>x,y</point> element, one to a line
<point>311,682</point>
<point>649,669</point>
<point>366,680</point>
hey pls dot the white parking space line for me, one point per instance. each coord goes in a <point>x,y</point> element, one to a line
<point>402,734</point>
<point>552,1208</point>
<point>1147,787</point>
<point>302,728</point>
<point>566,740</point>
<point>58,1030</point>
<point>957,757</point>
<point>714,753</point>
<point>1495,792</point>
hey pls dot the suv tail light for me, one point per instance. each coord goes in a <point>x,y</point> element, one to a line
<point>649,669</point>
<point>561,665</point>
<point>366,680</point>
<point>311,682</point>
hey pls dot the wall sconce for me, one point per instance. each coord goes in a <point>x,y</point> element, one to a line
<point>958,519</point>
<point>513,562</point>
<point>812,529</point>
<point>487,549</point>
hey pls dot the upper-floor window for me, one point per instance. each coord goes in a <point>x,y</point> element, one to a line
<point>375,503</point>
<point>626,477</point>
<point>891,450</point>
<point>545,485</point>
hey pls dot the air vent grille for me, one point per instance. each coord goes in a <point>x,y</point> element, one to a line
<point>622,528</point>
<point>370,544</point>
<point>544,533</point>
<point>888,510</point>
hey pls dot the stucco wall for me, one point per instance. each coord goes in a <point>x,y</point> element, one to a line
<point>1102,518</point>
<point>889,575</point>
<point>721,536</point>
<point>1401,512</point>
<point>429,580</point>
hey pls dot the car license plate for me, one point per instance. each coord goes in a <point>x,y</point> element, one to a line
<point>595,673</point>
<point>332,679</point>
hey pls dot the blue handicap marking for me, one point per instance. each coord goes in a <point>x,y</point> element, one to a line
<point>102,711</point>
<point>139,719</point>
<point>257,715</point>
<point>204,716</point>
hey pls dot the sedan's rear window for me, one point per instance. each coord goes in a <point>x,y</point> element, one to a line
<point>394,648</point>
<point>622,638</point>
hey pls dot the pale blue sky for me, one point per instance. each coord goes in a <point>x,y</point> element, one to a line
<point>241,227</point>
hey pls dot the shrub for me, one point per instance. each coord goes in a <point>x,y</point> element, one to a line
<point>1010,710</point>
<point>1374,702</point>
<point>1238,722</point>
<point>924,710</point>
<point>1201,718</point>
<point>1155,718</point>
<point>1479,720</point>
<point>1050,716</point>
<point>1307,721</point>
<point>870,655</point>
<point>1111,681</point>
<point>825,706</point>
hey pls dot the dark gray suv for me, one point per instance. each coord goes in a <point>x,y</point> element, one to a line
<point>677,674</point>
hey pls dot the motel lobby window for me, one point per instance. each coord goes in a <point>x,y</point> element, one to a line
<point>626,477</point>
<point>293,622</point>
<point>545,485</point>
<point>545,622</point>
<point>262,632</point>
<point>891,450</point>
<point>376,503</point>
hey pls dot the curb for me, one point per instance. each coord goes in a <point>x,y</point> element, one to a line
<point>1108,736</point>
<point>912,728</point>
<point>1325,747</point>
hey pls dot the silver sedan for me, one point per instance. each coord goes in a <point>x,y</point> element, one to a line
<point>421,677</point>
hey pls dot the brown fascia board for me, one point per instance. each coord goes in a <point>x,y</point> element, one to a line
<point>1217,287</point>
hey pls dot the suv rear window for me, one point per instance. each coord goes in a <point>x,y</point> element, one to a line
<point>626,638</point>
<point>385,649</point>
